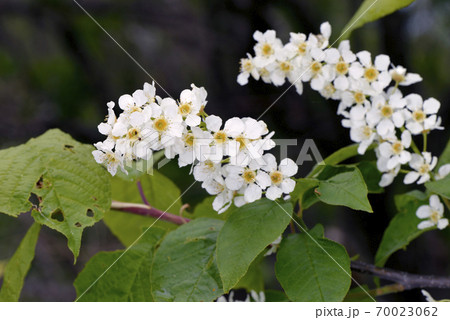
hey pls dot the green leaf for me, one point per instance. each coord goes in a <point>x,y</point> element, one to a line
<point>300,192</point>
<point>403,227</point>
<point>359,294</point>
<point>184,267</point>
<point>246,233</point>
<point>160,192</point>
<point>372,10</point>
<point>120,276</point>
<point>445,156</point>
<point>70,190</point>
<point>371,176</point>
<point>346,189</point>
<point>276,296</point>
<point>440,187</point>
<point>18,266</point>
<point>307,273</point>
<point>253,279</point>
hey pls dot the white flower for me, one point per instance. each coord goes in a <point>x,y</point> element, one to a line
<point>422,115</point>
<point>111,159</point>
<point>207,170</point>
<point>258,297</point>
<point>319,72</point>
<point>266,48</point>
<point>387,114</point>
<point>342,58</point>
<point>278,178</point>
<point>422,165</point>
<point>376,74</point>
<point>247,69</point>
<point>394,150</point>
<point>224,196</point>
<point>434,213</point>
<point>223,139</point>
<point>246,181</point>
<point>363,134</point>
<point>191,103</point>
<point>105,128</point>
<point>428,296</point>
<point>399,75</point>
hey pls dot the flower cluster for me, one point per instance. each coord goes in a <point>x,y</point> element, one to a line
<point>368,90</point>
<point>229,158</point>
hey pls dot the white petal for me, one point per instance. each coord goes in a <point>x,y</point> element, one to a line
<point>104,128</point>
<point>252,193</point>
<point>213,123</point>
<point>365,58</point>
<point>425,225</point>
<point>273,193</point>
<point>288,167</point>
<point>234,127</point>
<point>431,106</point>
<point>287,186</point>
<point>263,179</point>
<point>410,177</point>
<point>434,201</point>
<point>382,62</point>
<point>442,224</point>
<point>424,212</point>
<point>126,101</point>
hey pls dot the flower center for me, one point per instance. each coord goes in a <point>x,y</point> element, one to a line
<point>316,67</point>
<point>342,67</point>
<point>398,77</point>
<point>189,139</point>
<point>367,131</point>
<point>160,124</point>
<point>276,177</point>
<point>133,134</point>
<point>209,164</point>
<point>249,176</point>
<point>220,137</point>
<point>418,115</point>
<point>246,65</point>
<point>386,111</point>
<point>242,142</point>
<point>371,74</point>
<point>397,147</point>
<point>359,97</point>
<point>424,169</point>
<point>267,49</point>
<point>285,66</point>
<point>329,90</point>
<point>435,216</point>
<point>302,47</point>
<point>185,109</point>
<point>264,72</point>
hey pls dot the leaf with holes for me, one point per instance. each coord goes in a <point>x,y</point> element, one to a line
<point>311,269</point>
<point>184,267</point>
<point>57,178</point>
<point>120,276</point>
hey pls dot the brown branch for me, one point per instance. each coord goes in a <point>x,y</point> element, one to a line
<point>147,211</point>
<point>407,280</point>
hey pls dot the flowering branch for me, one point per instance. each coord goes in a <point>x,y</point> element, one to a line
<point>148,211</point>
<point>404,280</point>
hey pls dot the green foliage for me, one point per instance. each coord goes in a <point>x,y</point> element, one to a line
<point>122,275</point>
<point>253,279</point>
<point>445,156</point>
<point>276,296</point>
<point>205,210</point>
<point>372,10</point>
<point>403,227</point>
<point>336,185</point>
<point>246,233</point>
<point>70,190</point>
<point>337,157</point>
<point>184,267</point>
<point>440,187</point>
<point>18,266</point>
<point>371,176</point>
<point>313,269</point>
<point>161,193</point>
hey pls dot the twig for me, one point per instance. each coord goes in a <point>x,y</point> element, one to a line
<point>407,280</point>
<point>141,192</point>
<point>148,211</point>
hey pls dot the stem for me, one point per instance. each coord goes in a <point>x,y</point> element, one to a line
<point>407,280</point>
<point>291,224</point>
<point>447,202</point>
<point>148,211</point>
<point>413,144</point>
<point>141,192</point>
<point>392,288</point>
<point>425,135</point>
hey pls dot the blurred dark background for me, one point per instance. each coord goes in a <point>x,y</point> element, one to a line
<point>58,69</point>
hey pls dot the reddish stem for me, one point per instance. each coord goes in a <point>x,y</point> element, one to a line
<point>148,211</point>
